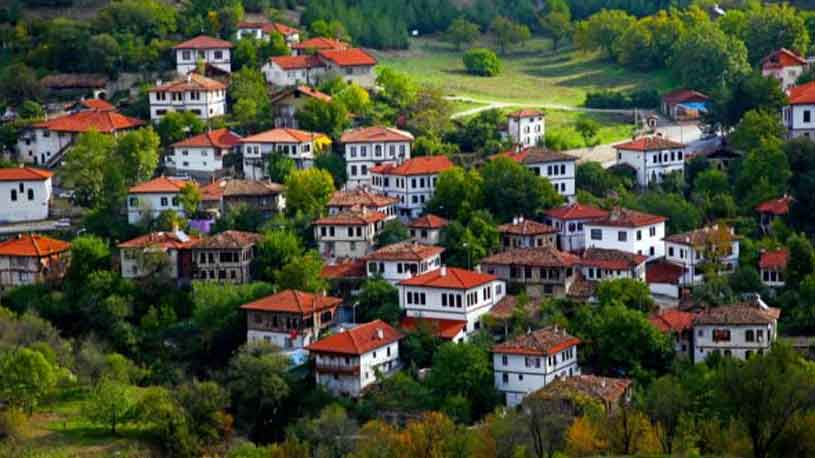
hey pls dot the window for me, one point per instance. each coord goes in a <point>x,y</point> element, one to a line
<point>749,336</point>
<point>670,251</point>
<point>219,55</point>
<point>639,235</point>
<point>504,360</point>
<point>14,195</point>
<point>652,231</point>
<point>164,201</point>
<point>622,236</point>
<point>597,234</point>
<point>30,194</point>
<point>134,202</point>
<point>807,116</point>
<point>505,378</point>
<point>721,335</point>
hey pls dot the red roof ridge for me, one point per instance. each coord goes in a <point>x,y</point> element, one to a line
<point>649,143</point>
<point>24,173</point>
<point>32,245</point>
<point>203,42</point>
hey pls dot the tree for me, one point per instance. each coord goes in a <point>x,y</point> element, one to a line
<point>89,253</point>
<point>629,292</point>
<point>588,128</point>
<point>711,182</point>
<point>397,89</point>
<point>754,128</point>
<point>481,62</point>
<point>392,232</point>
<point>508,33</point>
<point>178,125</point>
<point>137,154</point>
<point>771,27</point>
<point>458,192</point>
<point>18,83</point>
<point>308,191</point>
<point>801,261</point>
<point>462,32</point>
<point>331,433</point>
<point>205,404</point>
<point>508,181</point>
<point>258,381</point>
<point>463,369</point>
<point>592,177</point>
<point>355,99</point>
<point>85,164</point>
<point>330,118</point>
<point>333,164</point>
<point>276,249</point>
<point>26,377</point>
<point>279,167</point>
<point>557,25</point>
<point>601,31</point>
<point>110,404</point>
<point>723,57</point>
<point>801,156</point>
<point>666,401</point>
<point>190,199</point>
<point>763,174</point>
<point>752,92</point>
<point>378,299</point>
<point>303,274</point>
<point>467,241</point>
<point>548,421</point>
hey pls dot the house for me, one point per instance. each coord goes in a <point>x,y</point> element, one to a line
<point>427,229</point>
<point>663,278</point>
<point>525,233</point>
<point>799,114</point>
<point>526,127</point>
<point>368,147</point>
<point>45,143</point>
<point>31,259</point>
<point>403,260</point>
<point>722,159</point>
<point>447,330</point>
<point>695,250</point>
<point>345,276</point>
<point>25,194</point>
<point>264,30</point>
<point>264,196</point>
<point>226,257</point>
<point>531,361</point>
<point>772,266</point>
<point>679,325</point>
<point>559,168</point>
<point>290,319</point>
<point>785,66</point>
<point>451,294</point>
<point>67,85</point>
<point>684,104</point>
<point>652,158</point>
<point>350,361</point>
<point>298,145</point>
<point>770,210</point>
<point>202,156</point>
<point>348,234</point>
<point>151,198</point>
<point>168,254</point>
<point>212,51</point>
<point>204,97</point>
<point>316,44</point>
<point>342,201</point>
<point>413,182</point>
<point>353,65</point>
<point>736,330</point>
<point>84,104</point>
<point>569,221</point>
<point>285,71</point>
<point>628,230</point>
<point>288,101</point>
<point>611,393</point>
<point>601,264</point>
<point>542,271</point>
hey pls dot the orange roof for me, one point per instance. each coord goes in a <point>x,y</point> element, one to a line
<point>526,113</point>
<point>24,174</point>
<point>291,301</point>
<point>422,165</point>
<point>803,94</point>
<point>164,240</point>
<point>542,342</point>
<point>311,92</point>
<point>544,256</point>
<point>229,240</point>
<point>782,58</point>
<point>296,62</point>
<point>268,27</point>
<point>526,227</point>
<point>653,143</point>
<point>443,329</point>
<point>778,207</point>
<point>684,96</point>
<point>576,211</point>
<point>672,321</point>
<point>97,104</point>
<point>359,340</point>
<point>360,198</point>
<point>449,278</point>
<point>623,217</point>
<point>351,218</point>
<point>85,121</point>
<point>321,43</point>
<point>608,389</point>
<point>203,42</point>
<point>404,251</point>
<point>221,138</point>
<point>304,90</point>
<point>428,221</point>
<point>348,57</point>
<point>192,82</point>
<point>375,134</point>
<point>346,268</point>
<point>283,135</point>
<point>32,245</point>
<point>663,272</point>
<point>775,259</point>
<point>159,185</point>
<point>611,259</point>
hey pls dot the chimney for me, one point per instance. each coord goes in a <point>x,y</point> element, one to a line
<point>380,334</point>
<point>443,271</point>
<point>189,77</point>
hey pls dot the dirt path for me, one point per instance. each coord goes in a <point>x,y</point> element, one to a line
<point>494,104</point>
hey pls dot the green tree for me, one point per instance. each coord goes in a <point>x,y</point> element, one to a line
<point>801,260</point>
<point>588,128</point>
<point>18,83</point>
<point>397,89</point>
<point>308,191</point>
<point>508,33</point>
<point>279,167</point>
<point>205,405</point>
<point>190,199</point>
<point>754,128</point>
<point>330,118</point>
<point>26,377</point>
<point>462,32</point>
<point>772,27</point>
<point>629,292</point>
<point>601,31</point>
<point>467,241</point>
<point>178,125</point>
<point>277,248</point>
<point>592,177</point>
<point>481,62</point>
<point>508,181</point>
<point>137,154</point>
<point>378,299</point>
<point>258,381</point>
<point>763,174</point>
<point>463,369</point>
<point>711,182</point>
<point>333,164</point>
<point>392,232</point>
<point>355,99</point>
<point>84,166</point>
<point>146,18</point>
<point>89,253</point>
<point>753,92</point>
<point>331,433</point>
<point>110,404</point>
<point>666,401</point>
<point>458,192</point>
<point>303,274</point>
<point>557,25</point>
<point>723,57</point>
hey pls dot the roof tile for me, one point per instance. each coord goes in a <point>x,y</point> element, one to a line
<point>450,278</point>
<point>542,342</point>
<point>24,174</point>
<point>203,42</point>
<point>292,301</point>
<point>404,251</point>
<point>85,121</point>
<point>32,245</point>
<point>545,256</point>
<point>220,138</point>
<point>422,165</point>
<point>359,340</point>
<point>651,143</point>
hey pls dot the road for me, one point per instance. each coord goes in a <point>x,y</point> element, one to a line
<point>494,104</point>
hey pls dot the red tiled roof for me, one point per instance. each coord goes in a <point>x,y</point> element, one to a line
<point>684,95</point>
<point>653,143</point>
<point>97,104</point>
<point>24,174</point>
<point>292,301</point>
<point>221,138</point>
<point>85,121</point>
<point>450,278</point>
<point>607,389</point>
<point>375,134</point>
<point>743,313</point>
<point>404,251</point>
<point>526,227</point>
<point>623,217</point>
<point>229,240</point>
<point>611,259</point>
<point>422,165</point>
<point>545,256</point>
<point>542,342</point>
<point>778,207</point>
<point>32,245</point>
<point>535,155</point>
<point>351,218</point>
<point>359,340</point>
<point>192,82</point>
<point>360,198</point>
<point>663,272</point>
<point>782,58</point>
<point>203,42</point>
<point>296,62</point>
<point>321,43</point>
<point>704,235</point>
<point>428,221</point>
<point>672,321</point>
<point>159,185</point>
<point>346,268</point>
<point>164,240</point>
<point>525,113</point>
<point>803,94</point>
<point>304,90</point>
<point>348,57</point>
<point>775,259</point>
<point>268,27</point>
<point>576,211</point>
<point>283,135</point>
<point>443,329</point>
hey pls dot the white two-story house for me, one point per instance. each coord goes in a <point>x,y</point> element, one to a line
<point>652,157</point>
<point>289,71</point>
<point>158,253</point>
<point>525,233</point>
<point>531,361</point>
<point>427,229</point>
<point>358,199</point>
<point>403,260</point>
<point>25,194</point>
<point>628,230</point>
<point>150,198</point>
<point>694,250</point>
<point>204,97</point>
<point>784,66</point>
<point>559,168</point>
<point>202,156</point>
<point>569,221</point>
<point>799,114</point>
<point>413,182</point>
<point>598,264</point>
<point>348,362</point>
<point>264,30</point>
<point>526,127</point>
<point>348,234</point>
<point>367,147</point>
<point>298,145</point>
<point>212,51</point>
<point>736,330</point>
<point>353,65</point>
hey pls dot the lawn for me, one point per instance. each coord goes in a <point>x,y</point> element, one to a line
<point>613,127</point>
<point>532,74</point>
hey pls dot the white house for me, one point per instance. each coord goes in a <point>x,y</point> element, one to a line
<point>799,114</point>
<point>264,30</point>
<point>736,330</point>
<point>202,156</point>
<point>150,198</point>
<point>600,264</point>
<point>785,66</point>
<point>298,145</point>
<point>368,147</point>
<point>403,260</point>
<point>526,127</point>
<point>353,65</point>
<point>559,168</point>
<point>358,199</point>
<point>531,361</point>
<point>693,250</point>
<point>204,97</point>
<point>679,326</point>
<point>569,221</point>
<point>25,194</point>
<point>212,51</point>
<point>525,233</point>
<point>316,44</point>
<point>350,361</point>
<point>293,70</point>
<point>288,101</point>
<point>663,278</point>
<point>451,294</point>
<point>348,234</point>
<point>772,267</point>
<point>652,158</point>
<point>165,253</point>
<point>30,259</point>
<point>628,230</point>
<point>413,182</point>
<point>427,229</point>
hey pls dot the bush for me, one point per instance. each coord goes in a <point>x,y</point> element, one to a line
<point>645,98</point>
<point>561,139</point>
<point>482,62</point>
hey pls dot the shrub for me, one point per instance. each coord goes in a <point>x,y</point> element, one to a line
<point>482,62</point>
<point>645,98</point>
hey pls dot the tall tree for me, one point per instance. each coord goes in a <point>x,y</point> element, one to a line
<point>508,33</point>
<point>462,32</point>
<point>723,57</point>
<point>308,191</point>
<point>508,181</point>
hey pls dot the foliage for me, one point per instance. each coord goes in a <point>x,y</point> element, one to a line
<point>752,92</point>
<point>330,118</point>
<point>723,57</point>
<point>279,166</point>
<point>643,98</point>
<point>178,125</point>
<point>26,377</point>
<point>629,292</point>
<point>508,33</point>
<point>392,231</point>
<point>463,369</point>
<point>801,261</point>
<point>257,381</point>
<point>303,274</point>
<point>110,404</point>
<point>508,181</point>
<point>276,249</point>
<point>458,192</point>
<point>308,191</point>
<point>481,62</point>
<point>468,240</point>
<point>378,299</point>
<point>462,32</point>
<point>601,31</point>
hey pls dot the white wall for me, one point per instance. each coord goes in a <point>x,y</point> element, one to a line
<point>426,236</point>
<point>30,203</point>
<point>207,105</point>
<point>647,167</point>
<point>704,345</point>
<point>649,244</point>
<point>560,173</point>
<point>390,270</point>
<point>571,236</point>
<point>38,145</point>
<point>186,59</point>
<point>279,76</point>
<point>301,153</point>
<point>692,259</point>
<point>522,379</point>
<point>486,297</point>
<point>280,339</point>
<point>133,268</point>
<point>141,205</point>
<point>202,160</point>
<point>526,131</point>
<point>787,76</point>
<point>360,158</point>
<point>794,119</point>
<point>344,244</point>
<point>383,360</point>
<point>412,191</point>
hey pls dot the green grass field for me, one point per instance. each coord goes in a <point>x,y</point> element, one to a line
<point>613,127</point>
<point>532,74</point>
